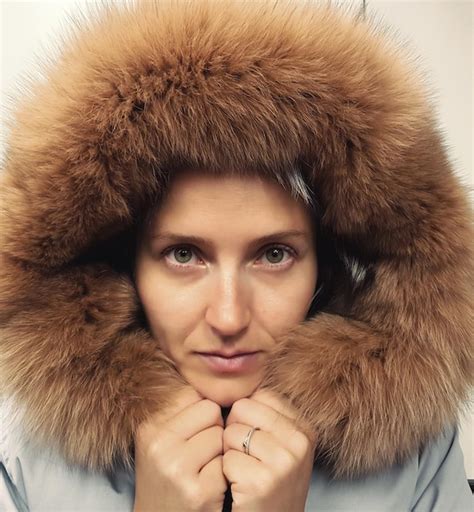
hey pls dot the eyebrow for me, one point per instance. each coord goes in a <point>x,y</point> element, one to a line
<point>278,235</point>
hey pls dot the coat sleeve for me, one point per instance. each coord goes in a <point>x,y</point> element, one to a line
<point>12,489</point>
<point>11,499</point>
<point>442,484</point>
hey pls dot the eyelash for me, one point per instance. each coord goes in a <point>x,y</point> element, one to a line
<point>286,248</point>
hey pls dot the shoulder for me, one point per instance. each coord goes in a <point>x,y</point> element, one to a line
<point>432,480</point>
<point>36,477</point>
<point>442,481</point>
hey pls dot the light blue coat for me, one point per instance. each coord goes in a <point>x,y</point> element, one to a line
<point>36,480</point>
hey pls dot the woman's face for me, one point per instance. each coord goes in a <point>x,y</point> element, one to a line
<point>227,264</point>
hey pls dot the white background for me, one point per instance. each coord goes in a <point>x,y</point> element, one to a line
<point>440,32</point>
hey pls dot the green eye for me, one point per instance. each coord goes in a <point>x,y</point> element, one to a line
<point>182,255</point>
<point>275,255</point>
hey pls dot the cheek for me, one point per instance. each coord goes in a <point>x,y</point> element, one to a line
<point>285,306</point>
<point>170,312</point>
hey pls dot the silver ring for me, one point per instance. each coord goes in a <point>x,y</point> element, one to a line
<point>246,443</point>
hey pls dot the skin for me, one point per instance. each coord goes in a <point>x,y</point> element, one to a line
<point>277,472</point>
<point>232,292</point>
<point>227,294</point>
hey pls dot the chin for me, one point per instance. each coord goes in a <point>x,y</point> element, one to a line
<point>225,392</point>
<point>225,398</point>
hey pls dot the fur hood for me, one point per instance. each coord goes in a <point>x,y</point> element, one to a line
<point>137,89</point>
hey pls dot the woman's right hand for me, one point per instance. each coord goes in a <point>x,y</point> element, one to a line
<point>178,457</point>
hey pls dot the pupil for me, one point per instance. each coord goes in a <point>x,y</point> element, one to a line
<point>179,253</point>
<point>274,254</point>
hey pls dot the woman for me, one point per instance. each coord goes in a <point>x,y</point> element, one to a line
<point>243,282</point>
<point>231,121</point>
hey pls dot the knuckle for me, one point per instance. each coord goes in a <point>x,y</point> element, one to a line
<point>218,435</point>
<point>288,462</point>
<point>173,470</point>
<point>218,432</point>
<point>227,460</point>
<point>213,410</point>
<point>240,405</point>
<point>193,495</point>
<point>266,485</point>
<point>218,462</point>
<point>152,451</point>
<point>301,443</point>
<point>197,497</point>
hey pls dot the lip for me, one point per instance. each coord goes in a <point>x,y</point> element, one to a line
<point>235,364</point>
<point>229,354</point>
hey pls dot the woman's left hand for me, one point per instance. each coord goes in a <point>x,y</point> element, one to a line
<point>277,472</point>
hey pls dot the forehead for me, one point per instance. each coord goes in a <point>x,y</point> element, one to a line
<point>200,198</point>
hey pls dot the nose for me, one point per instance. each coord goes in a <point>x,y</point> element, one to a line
<point>228,312</point>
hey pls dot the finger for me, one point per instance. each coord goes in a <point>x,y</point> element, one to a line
<point>244,473</point>
<point>263,447</point>
<point>202,448</point>
<point>188,422</point>
<point>248,411</point>
<point>284,406</point>
<point>213,472</point>
<point>256,414</point>
<point>276,401</point>
<point>179,400</point>
<point>186,396</point>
